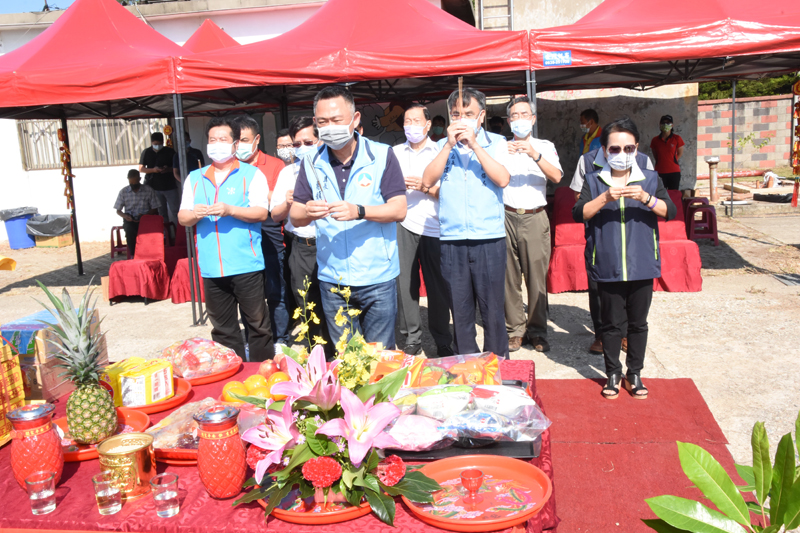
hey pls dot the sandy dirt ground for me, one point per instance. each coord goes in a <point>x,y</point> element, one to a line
<point>738,339</point>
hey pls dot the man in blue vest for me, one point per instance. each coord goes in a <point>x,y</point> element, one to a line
<point>353,189</point>
<point>227,201</point>
<point>472,168</point>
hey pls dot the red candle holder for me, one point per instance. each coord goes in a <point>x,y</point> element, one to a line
<point>35,446</point>
<point>220,454</point>
<point>471,480</point>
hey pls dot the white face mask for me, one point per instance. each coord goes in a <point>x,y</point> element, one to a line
<point>156,147</point>
<point>336,136</point>
<point>584,129</point>
<point>522,128</point>
<point>620,161</point>
<point>414,134</point>
<point>244,151</point>
<point>220,152</point>
<point>304,150</point>
<point>286,154</point>
<point>471,122</point>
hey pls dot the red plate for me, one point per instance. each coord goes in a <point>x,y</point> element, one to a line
<point>319,519</point>
<point>177,462</point>
<point>182,390</point>
<point>138,420</point>
<point>217,376</point>
<point>513,491</point>
<point>178,456</point>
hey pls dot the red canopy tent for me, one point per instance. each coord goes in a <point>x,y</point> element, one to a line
<point>97,50</point>
<point>357,40</point>
<point>209,37</point>
<point>641,43</point>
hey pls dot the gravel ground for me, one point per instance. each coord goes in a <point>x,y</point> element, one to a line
<point>738,339</point>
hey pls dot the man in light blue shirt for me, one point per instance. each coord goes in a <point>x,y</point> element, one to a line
<point>472,169</point>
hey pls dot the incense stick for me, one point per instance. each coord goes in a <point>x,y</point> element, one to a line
<point>319,183</point>
<point>460,97</point>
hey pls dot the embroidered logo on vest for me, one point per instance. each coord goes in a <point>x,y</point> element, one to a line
<point>364,180</point>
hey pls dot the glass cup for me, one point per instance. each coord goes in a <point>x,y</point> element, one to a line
<point>471,480</point>
<point>165,493</point>
<point>108,495</point>
<point>42,492</point>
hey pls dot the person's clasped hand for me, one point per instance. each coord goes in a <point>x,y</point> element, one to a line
<point>317,209</point>
<point>635,192</point>
<point>127,217</point>
<point>201,210</point>
<point>454,132</point>
<point>522,147</point>
<point>413,183</point>
<point>220,209</point>
<point>343,211</point>
<point>613,194</point>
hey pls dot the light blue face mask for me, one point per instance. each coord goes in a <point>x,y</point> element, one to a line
<point>471,122</point>
<point>303,151</point>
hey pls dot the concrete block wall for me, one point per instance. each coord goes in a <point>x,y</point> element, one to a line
<point>766,116</point>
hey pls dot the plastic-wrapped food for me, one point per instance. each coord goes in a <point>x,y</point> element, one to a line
<point>528,424</point>
<point>406,401</point>
<point>471,369</point>
<point>507,401</point>
<point>179,429</point>
<point>419,433</point>
<point>198,357</point>
<point>443,402</point>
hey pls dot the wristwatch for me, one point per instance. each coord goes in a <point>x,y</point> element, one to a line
<point>361,212</point>
<point>538,158</point>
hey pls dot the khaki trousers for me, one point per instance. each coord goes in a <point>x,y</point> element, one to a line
<point>528,256</point>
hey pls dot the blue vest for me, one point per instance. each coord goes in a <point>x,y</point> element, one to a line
<point>226,245</point>
<point>471,204</point>
<point>357,252</point>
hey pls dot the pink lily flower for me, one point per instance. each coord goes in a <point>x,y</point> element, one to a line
<point>278,433</point>
<point>315,382</point>
<point>362,425</point>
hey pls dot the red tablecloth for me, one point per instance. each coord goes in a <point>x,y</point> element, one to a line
<point>77,510</point>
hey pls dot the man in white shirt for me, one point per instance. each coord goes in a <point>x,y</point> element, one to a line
<point>531,163</point>
<point>418,240</point>
<point>303,251</point>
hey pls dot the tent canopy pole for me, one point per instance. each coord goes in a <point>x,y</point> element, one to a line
<point>68,165</point>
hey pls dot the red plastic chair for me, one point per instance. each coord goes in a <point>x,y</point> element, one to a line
<point>117,247</point>
<point>145,275</point>
<point>706,226</point>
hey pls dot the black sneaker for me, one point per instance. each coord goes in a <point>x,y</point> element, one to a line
<point>412,349</point>
<point>444,351</point>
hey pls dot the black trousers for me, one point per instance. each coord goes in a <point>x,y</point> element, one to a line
<point>671,180</point>
<point>303,264</point>
<point>623,301</point>
<point>227,295</point>
<point>131,231</point>
<point>476,270</point>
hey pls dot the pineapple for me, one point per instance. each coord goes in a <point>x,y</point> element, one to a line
<point>91,415</point>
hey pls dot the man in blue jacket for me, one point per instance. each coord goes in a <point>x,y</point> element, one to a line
<point>354,191</point>
<point>227,201</point>
<point>471,166</point>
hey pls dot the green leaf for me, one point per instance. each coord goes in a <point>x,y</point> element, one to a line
<point>420,481</point>
<point>386,388</point>
<point>300,455</point>
<point>753,506</point>
<point>791,519</point>
<point>382,506</point>
<point>306,406</point>
<point>250,483</point>
<point>746,489</point>
<point>782,479</point>
<point>772,529</point>
<point>373,461</point>
<point>348,476</point>
<point>306,490</point>
<point>261,403</point>
<point>691,515</point>
<point>762,468</point>
<point>276,406</point>
<point>746,473</point>
<point>320,444</point>
<point>368,482</point>
<point>354,497</point>
<point>662,527</point>
<point>253,495</point>
<point>276,497</point>
<point>415,486</point>
<point>709,476</point>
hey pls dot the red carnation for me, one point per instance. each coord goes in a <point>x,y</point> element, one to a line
<point>322,472</point>
<point>256,454</point>
<point>391,470</point>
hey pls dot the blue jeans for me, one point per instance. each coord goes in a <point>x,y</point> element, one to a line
<point>378,305</point>
<point>278,294</point>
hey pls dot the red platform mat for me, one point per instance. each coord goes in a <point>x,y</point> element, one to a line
<point>610,455</point>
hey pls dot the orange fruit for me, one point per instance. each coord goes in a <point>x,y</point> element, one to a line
<point>260,392</point>
<point>255,381</point>
<point>277,377</point>
<point>233,386</point>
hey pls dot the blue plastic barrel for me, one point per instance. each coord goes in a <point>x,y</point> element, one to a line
<point>18,237</point>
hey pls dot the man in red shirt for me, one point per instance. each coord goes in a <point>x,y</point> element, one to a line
<point>667,150</point>
<point>275,286</point>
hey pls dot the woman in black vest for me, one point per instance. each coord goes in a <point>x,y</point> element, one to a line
<point>619,204</point>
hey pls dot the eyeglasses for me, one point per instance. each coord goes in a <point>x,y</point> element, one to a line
<point>628,149</point>
<point>517,116</point>
<point>298,144</point>
<point>469,114</point>
<point>284,146</point>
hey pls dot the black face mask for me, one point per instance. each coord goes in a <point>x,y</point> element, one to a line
<point>136,186</point>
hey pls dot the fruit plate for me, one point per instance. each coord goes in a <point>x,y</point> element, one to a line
<point>182,390</point>
<point>513,491</point>
<point>176,456</point>
<point>216,376</point>
<point>314,515</point>
<point>133,419</point>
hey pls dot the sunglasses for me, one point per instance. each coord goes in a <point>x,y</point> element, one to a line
<point>298,144</point>
<point>628,149</point>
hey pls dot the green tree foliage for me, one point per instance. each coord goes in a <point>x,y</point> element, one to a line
<point>718,90</point>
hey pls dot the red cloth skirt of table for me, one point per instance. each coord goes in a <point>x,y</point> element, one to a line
<point>179,288</point>
<point>77,511</point>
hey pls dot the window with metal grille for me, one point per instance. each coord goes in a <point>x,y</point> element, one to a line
<point>93,142</point>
